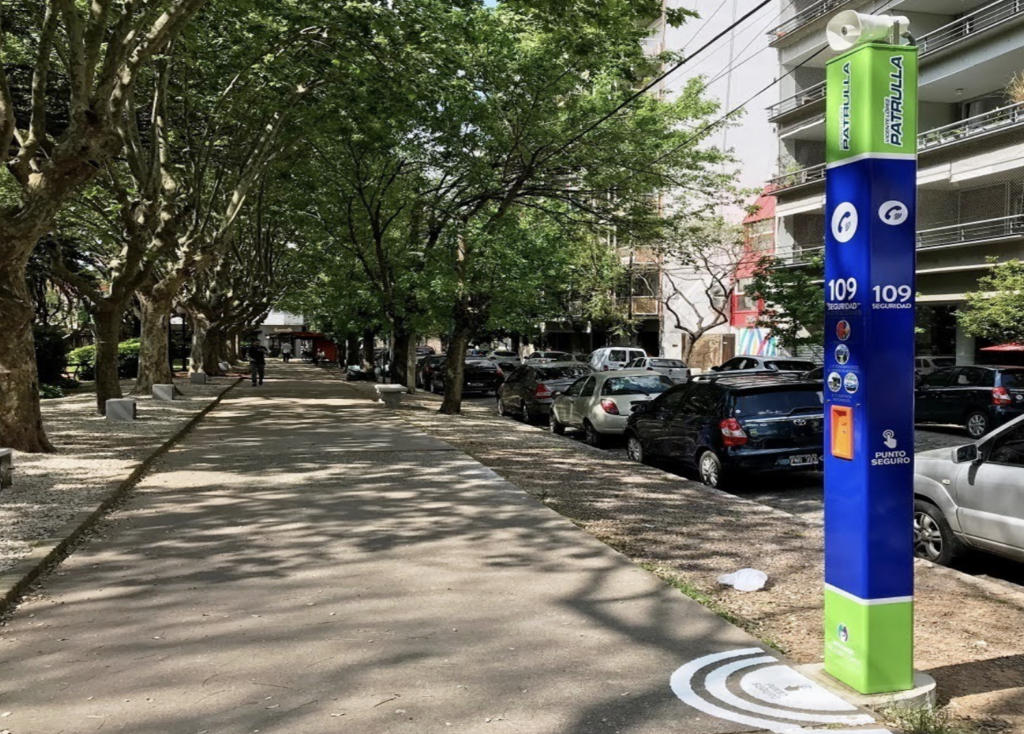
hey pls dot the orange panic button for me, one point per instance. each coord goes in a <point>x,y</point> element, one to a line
<point>842,432</point>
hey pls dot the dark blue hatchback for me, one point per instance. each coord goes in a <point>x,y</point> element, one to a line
<point>978,397</point>
<point>731,424</point>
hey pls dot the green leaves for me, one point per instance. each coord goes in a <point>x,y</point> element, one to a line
<point>794,301</point>
<point>995,311</point>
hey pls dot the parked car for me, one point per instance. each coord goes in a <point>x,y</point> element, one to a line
<point>504,358</point>
<point>600,403</point>
<point>971,497</point>
<point>732,424</point>
<point>529,391</point>
<point>546,357</point>
<point>427,369</point>
<point>674,369</point>
<point>480,376</point>
<point>977,397</point>
<point>751,364</point>
<point>926,365</point>
<point>614,358</point>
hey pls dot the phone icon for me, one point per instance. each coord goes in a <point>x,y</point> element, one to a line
<point>894,213</point>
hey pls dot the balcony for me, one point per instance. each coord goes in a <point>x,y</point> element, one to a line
<point>796,179</point>
<point>954,235</point>
<point>986,230</point>
<point>645,306</point>
<point>803,17</point>
<point>972,128</point>
<point>799,101</point>
<point>969,26</point>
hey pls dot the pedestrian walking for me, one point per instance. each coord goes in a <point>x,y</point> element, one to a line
<point>257,354</point>
<point>286,352</point>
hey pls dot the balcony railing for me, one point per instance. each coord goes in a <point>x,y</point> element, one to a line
<point>965,233</point>
<point>798,178</point>
<point>957,132</point>
<point>803,17</point>
<point>972,127</point>
<point>801,99</point>
<point>980,231</point>
<point>968,25</point>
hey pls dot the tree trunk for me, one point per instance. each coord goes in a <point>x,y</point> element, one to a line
<point>367,356</point>
<point>154,349</point>
<point>213,351</point>
<point>404,357</point>
<point>21,422</point>
<point>107,333</point>
<point>197,353</point>
<point>455,364</point>
<point>517,344</point>
<point>352,358</point>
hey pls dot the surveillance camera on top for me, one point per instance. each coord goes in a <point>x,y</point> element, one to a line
<point>850,28</point>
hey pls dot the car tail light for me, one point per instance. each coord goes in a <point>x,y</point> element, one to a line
<point>1001,396</point>
<point>542,391</point>
<point>732,432</point>
<point>609,407</point>
<point>500,373</point>
<point>604,368</point>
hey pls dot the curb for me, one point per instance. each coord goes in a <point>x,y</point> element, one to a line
<point>49,552</point>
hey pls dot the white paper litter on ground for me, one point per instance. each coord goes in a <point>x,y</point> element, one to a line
<point>746,579</point>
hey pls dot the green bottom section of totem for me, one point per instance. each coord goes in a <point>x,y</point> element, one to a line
<point>869,647</point>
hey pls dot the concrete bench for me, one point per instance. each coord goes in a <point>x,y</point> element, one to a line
<point>6,468</point>
<point>121,410</point>
<point>197,378</point>
<point>163,392</point>
<point>390,395</point>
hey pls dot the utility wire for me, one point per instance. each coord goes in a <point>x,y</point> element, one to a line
<point>711,125</point>
<point>658,79</point>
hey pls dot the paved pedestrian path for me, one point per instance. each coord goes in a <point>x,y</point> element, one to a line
<point>307,562</point>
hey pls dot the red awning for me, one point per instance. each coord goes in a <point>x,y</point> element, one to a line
<point>1005,348</point>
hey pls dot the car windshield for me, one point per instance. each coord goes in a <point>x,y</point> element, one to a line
<point>1013,378</point>
<point>671,363</point>
<point>636,385</point>
<point>563,373</point>
<point>944,361</point>
<point>504,354</point>
<point>779,402</point>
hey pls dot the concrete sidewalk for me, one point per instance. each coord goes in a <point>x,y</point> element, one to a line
<point>306,562</point>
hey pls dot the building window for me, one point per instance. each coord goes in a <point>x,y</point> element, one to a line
<point>745,301</point>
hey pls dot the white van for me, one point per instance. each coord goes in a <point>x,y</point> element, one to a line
<point>606,359</point>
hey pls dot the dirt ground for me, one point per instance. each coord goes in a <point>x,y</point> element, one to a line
<point>968,630</point>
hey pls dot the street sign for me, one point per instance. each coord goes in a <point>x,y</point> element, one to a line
<point>870,216</point>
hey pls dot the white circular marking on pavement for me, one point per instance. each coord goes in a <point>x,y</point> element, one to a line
<point>778,685</point>
<point>844,222</point>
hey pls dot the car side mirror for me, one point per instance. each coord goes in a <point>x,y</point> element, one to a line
<point>966,454</point>
<point>641,407</point>
<point>556,393</point>
<point>716,369</point>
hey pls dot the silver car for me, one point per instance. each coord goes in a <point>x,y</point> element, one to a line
<point>600,404</point>
<point>753,363</point>
<point>971,497</point>
<point>671,368</point>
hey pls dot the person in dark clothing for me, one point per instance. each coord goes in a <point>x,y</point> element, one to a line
<point>257,354</point>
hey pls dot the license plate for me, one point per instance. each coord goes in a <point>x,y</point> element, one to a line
<point>476,384</point>
<point>803,460</point>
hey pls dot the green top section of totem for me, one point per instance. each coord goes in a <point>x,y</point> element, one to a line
<point>872,102</point>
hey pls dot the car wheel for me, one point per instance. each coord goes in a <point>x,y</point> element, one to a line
<point>977,424</point>
<point>635,449</point>
<point>933,537</point>
<point>502,411</point>
<point>710,468</point>
<point>556,426</point>
<point>524,412</point>
<point>593,438</point>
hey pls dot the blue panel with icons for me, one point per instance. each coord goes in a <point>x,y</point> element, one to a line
<point>869,367</point>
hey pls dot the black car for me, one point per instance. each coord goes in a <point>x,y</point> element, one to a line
<point>529,390</point>
<point>977,397</point>
<point>426,369</point>
<point>479,376</point>
<point>731,424</point>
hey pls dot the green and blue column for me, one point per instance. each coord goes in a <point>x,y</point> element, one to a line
<point>870,224</point>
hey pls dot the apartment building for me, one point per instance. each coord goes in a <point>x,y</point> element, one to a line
<point>971,171</point>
